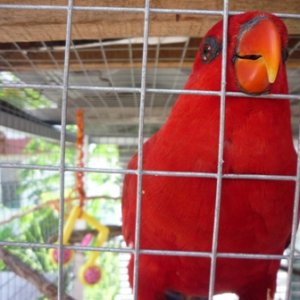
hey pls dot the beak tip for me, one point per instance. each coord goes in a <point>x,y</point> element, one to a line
<point>272,78</point>
<point>272,74</point>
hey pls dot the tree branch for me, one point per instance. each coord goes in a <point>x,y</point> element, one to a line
<point>38,280</point>
<point>50,202</point>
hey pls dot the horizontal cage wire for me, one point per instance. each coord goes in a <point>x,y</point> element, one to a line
<point>122,66</point>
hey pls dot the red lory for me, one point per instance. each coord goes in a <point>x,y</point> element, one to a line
<point>256,215</point>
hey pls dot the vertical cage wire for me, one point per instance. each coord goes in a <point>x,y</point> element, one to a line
<point>60,282</point>
<point>220,155</point>
<point>291,258</point>
<point>140,151</point>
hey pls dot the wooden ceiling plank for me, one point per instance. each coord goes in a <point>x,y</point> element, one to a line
<point>49,25</point>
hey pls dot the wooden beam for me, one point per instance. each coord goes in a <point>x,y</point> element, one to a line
<point>88,56</point>
<point>117,56</point>
<point>18,25</point>
<point>101,66</point>
<point>293,63</point>
<point>91,66</point>
<point>99,116</point>
<point>18,120</point>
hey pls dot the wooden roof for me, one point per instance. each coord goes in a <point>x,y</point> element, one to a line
<point>40,24</point>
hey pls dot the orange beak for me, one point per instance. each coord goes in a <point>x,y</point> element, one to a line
<point>258,57</point>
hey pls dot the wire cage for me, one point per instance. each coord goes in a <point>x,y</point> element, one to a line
<point>123,65</point>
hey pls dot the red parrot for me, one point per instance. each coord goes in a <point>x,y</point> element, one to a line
<point>256,215</point>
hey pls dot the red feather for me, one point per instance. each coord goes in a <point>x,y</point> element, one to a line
<point>178,212</point>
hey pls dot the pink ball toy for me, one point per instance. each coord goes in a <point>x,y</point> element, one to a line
<point>92,275</point>
<point>67,255</point>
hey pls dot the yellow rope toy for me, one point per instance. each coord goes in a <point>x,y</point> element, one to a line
<point>90,272</point>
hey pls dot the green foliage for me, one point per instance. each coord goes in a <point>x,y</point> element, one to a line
<point>36,228</point>
<point>6,233</point>
<point>26,98</point>
<point>39,186</point>
<point>2,265</point>
<point>109,153</point>
<point>46,152</point>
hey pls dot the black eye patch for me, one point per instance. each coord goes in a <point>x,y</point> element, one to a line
<point>285,54</point>
<point>211,48</point>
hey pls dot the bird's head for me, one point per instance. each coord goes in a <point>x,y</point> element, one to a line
<point>256,55</point>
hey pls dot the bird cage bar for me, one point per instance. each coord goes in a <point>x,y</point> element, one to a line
<point>60,280</point>
<point>214,247</point>
<point>140,152</point>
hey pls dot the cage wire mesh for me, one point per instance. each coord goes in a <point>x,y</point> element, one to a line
<point>123,64</point>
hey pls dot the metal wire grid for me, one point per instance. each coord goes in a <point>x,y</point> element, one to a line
<point>58,80</point>
<point>142,90</point>
<point>94,99</point>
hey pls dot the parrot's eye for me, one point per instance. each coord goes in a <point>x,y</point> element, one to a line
<point>210,49</point>
<point>285,54</point>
